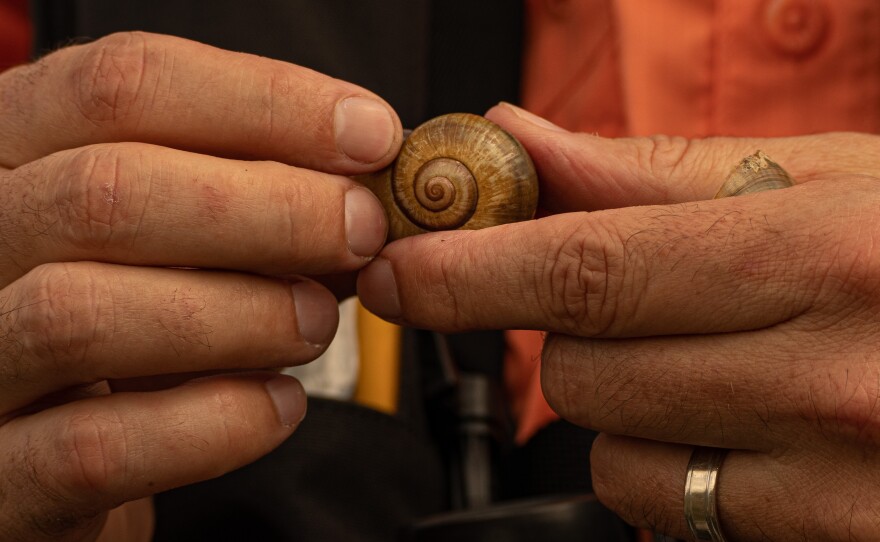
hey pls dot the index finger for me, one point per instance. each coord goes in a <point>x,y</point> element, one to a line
<point>703,267</point>
<point>178,93</point>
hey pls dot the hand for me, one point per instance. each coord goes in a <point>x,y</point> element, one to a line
<point>749,323</point>
<point>124,182</point>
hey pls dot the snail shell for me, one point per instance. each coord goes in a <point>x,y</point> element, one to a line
<point>755,173</point>
<point>457,171</point>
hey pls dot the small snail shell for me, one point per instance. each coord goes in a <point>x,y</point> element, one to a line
<point>755,173</point>
<point>457,171</point>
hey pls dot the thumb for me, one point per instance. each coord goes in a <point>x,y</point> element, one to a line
<point>581,172</point>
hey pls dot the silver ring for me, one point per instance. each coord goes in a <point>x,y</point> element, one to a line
<point>699,493</point>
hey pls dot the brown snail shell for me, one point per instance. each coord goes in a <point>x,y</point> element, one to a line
<point>755,173</point>
<point>457,171</point>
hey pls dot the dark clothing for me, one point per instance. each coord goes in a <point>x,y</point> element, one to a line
<point>425,58</point>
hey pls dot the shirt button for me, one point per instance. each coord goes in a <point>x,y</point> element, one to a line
<point>796,27</point>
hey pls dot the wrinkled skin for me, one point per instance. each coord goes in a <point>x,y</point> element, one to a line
<point>162,202</point>
<point>675,320</point>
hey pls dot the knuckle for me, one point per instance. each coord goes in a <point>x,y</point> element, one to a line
<point>35,473</point>
<point>842,271</point>
<point>561,380</point>
<point>603,484</point>
<point>22,219</point>
<point>18,86</point>
<point>850,510</point>
<point>108,81</point>
<point>92,453</point>
<point>644,504</point>
<point>606,483</point>
<point>228,433</point>
<point>663,156</point>
<point>227,401</point>
<point>856,235</point>
<point>293,200</point>
<point>186,319</point>
<point>845,404</point>
<point>90,191</point>
<point>65,314</point>
<point>583,278</point>
<point>449,272</point>
<point>270,104</point>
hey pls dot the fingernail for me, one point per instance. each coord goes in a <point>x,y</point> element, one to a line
<point>365,223</point>
<point>317,313</point>
<point>377,289</point>
<point>289,398</point>
<point>364,129</point>
<point>532,118</point>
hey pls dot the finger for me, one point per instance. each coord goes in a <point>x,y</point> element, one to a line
<point>70,463</point>
<point>721,265</point>
<point>145,205</point>
<point>178,93</point>
<point>757,390</point>
<point>582,172</point>
<point>68,324</point>
<point>132,519</point>
<point>808,495</point>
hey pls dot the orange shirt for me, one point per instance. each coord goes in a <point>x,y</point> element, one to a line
<point>699,68</point>
<point>693,68</point>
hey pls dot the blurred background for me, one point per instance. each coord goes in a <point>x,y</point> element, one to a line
<point>15,33</point>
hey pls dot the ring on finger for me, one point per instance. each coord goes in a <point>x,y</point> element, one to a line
<point>700,508</point>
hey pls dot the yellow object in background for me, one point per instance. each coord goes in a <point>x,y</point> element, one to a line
<point>379,373</point>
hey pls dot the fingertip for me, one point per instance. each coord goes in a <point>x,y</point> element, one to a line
<point>366,226</point>
<point>317,313</point>
<point>499,112</point>
<point>289,398</point>
<point>377,289</point>
<point>367,130</point>
<point>504,112</point>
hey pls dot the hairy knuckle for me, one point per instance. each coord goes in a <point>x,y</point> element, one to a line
<point>92,453</point>
<point>22,218</point>
<point>108,81</point>
<point>35,475</point>
<point>185,318</point>
<point>17,109</point>
<point>64,314</point>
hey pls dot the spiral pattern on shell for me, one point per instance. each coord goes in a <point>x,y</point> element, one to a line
<point>436,194</point>
<point>444,191</point>
<point>457,171</point>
